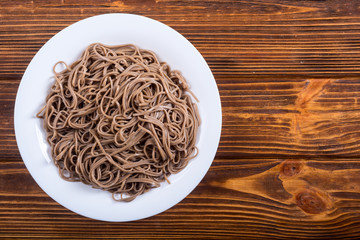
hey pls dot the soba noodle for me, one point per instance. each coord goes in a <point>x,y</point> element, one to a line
<point>120,120</point>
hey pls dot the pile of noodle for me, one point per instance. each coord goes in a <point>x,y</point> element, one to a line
<point>119,120</point>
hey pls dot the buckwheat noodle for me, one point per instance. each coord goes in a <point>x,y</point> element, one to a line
<point>120,120</point>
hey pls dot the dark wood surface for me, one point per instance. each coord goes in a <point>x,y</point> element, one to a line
<point>288,162</point>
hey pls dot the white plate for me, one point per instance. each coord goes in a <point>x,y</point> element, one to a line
<point>67,45</point>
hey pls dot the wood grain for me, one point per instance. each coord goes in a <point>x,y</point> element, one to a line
<point>287,166</point>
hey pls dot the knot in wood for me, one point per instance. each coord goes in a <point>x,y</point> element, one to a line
<point>290,168</point>
<point>311,201</point>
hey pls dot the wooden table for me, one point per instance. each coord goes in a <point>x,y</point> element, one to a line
<point>288,161</point>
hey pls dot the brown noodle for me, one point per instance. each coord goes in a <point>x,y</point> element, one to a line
<point>120,120</point>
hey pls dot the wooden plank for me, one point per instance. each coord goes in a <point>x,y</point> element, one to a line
<point>284,38</point>
<point>290,116</point>
<point>275,197</point>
